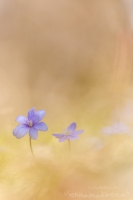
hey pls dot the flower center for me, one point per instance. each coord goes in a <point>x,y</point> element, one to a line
<point>30,123</point>
<point>66,132</point>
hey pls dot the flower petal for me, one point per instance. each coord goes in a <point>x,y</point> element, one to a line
<point>70,137</point>
<point>38,115</point>
<point>108,130</point>
<point>57,135</point>
<point>76,133</point>
<point>33,133</point>
<point>41,126</point>
<point>62,139</point>
<point>20,131</point>
<point>72,127</point>
<point>31,114</point>
<point>22,119</point>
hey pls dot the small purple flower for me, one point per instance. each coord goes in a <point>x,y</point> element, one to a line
<point>116,128</point>
<point>69,134</point>
<point>30,124</point>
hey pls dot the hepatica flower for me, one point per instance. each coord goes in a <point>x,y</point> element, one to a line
<point>30,124</point>
<point>69,133</point>
<point>116,128</point>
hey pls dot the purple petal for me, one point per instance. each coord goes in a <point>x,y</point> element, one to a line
<point>22,119</point>
<point>72,127</point>
<point>76,133</point>
<point>62,139</point>
<point>20,131</point>
<point>31,114</point>
<point>57,135</point>
<point>38,115</point>
<point>33,133</point>
<point>70,137</point>
<point>41,126</point>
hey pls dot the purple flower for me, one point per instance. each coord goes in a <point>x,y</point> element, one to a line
<point>116,128</point>
<point>69,133</point>
<point>30,124</point>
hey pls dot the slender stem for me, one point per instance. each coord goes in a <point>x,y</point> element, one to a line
<point>69,147</point>
<point>31,148</point>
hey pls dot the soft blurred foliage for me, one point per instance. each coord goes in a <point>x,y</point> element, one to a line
<point>74,60</point>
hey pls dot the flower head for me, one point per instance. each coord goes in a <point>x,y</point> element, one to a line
<point>116,128</point>
<point>30,124</point>
<point>69,133</point>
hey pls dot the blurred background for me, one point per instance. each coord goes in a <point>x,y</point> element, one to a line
<point>72,59</point>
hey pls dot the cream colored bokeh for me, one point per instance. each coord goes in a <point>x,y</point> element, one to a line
<point>74,60</point>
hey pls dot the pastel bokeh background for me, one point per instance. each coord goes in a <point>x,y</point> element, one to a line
<point>74,60</point>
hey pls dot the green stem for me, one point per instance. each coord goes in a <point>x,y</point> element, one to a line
<point>31,148</point>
